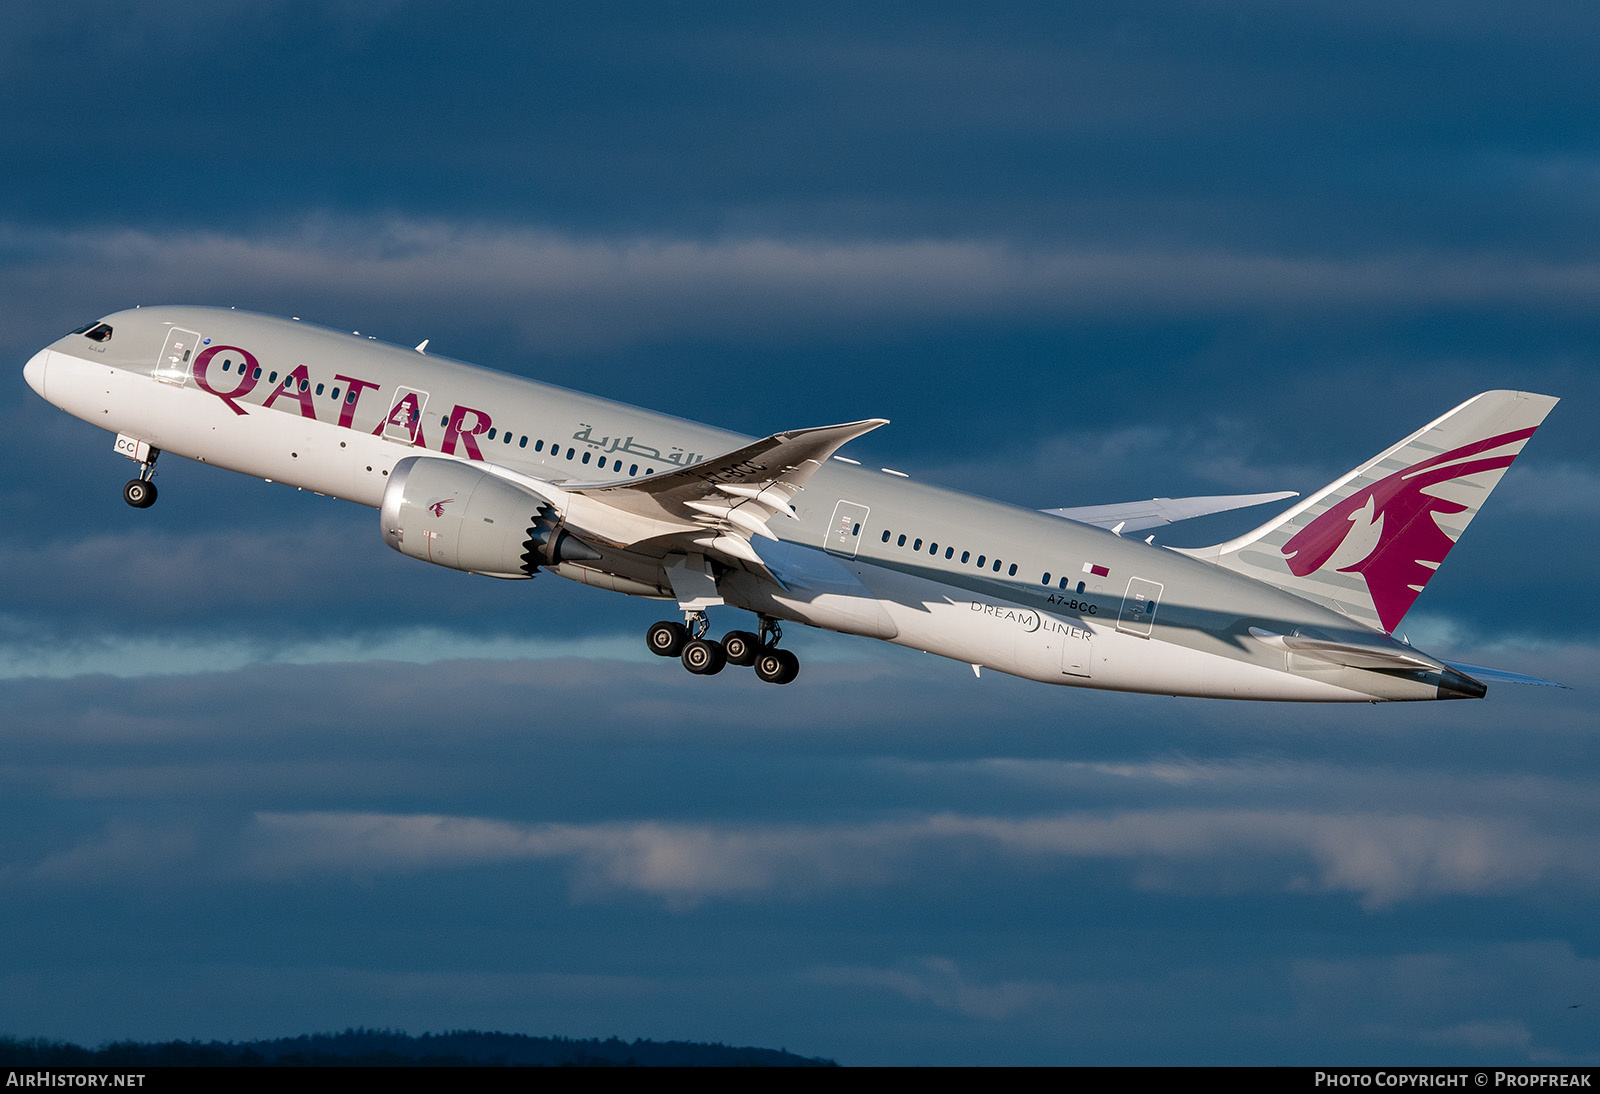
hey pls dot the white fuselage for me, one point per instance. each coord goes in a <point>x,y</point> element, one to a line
<point>963,577</point>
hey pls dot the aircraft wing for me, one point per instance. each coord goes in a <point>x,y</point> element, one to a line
<point>716,505</point>
<point>1136,516</point>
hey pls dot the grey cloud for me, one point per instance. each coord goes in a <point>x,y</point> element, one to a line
<point>1506,996</point>
<point>596,292</point>
<point>1382,858</point>
<point>124,851</point>
<point>940,982</point>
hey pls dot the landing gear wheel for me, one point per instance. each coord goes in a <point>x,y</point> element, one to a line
<point>666,639</point>
<point>139,493</point>
<point>741,647</point>
<point>777,666</point>
<point>703,658</point>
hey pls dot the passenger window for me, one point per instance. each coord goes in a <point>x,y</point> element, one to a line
<point>571,452</point>
<point>586,456</point>
<point>981,560</point>
<point>1013,571</point>
<point>886,535</point>
<point>1063,584</point>
<point>334,394</point>
<point>964,556</point>
<point>256,375</point>
<point>319,389</point>
<point>492,432</point>
<point>634,470</point>
<point>272,379</point>
<point>949,552</point>
<point>305,385</point>
<point>917,546</point>
<point>997,565</point>
<point>901,542</point>
<point>1046,578</point>
<point>933,548</point>
<point>523,443</point>
<point>538,446</point>
<point>1080,586</point>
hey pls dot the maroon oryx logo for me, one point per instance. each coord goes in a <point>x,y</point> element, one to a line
<point>1410,542</point>
<point>437,506</point>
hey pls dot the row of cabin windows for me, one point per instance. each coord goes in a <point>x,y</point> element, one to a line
<point>966,556</point>
<point>506,436</point>
<point>950,552</point>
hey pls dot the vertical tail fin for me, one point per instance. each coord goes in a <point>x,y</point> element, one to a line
<point>1367,543</point>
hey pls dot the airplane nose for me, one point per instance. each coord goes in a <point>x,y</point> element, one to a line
<point>33,371</point>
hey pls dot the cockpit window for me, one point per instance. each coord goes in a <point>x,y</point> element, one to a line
<point>96,331</point>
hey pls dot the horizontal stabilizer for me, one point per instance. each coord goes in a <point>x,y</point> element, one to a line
<point>1136,516</point>
<point>1501,676</point>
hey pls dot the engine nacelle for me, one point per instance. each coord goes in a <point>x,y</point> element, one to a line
<point>457,515</point>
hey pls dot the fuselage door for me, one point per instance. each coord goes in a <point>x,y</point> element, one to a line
<point>844,534</point>
<point>172,367</point>
<point>1139,607</point>
<point>404,423</point>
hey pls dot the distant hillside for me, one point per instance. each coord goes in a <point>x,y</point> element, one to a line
<point>385,1048</point>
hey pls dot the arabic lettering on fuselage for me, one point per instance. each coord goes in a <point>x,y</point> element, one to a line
<point>676,455</point>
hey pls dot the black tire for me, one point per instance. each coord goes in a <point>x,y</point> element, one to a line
<point>666,638</point>
<point>139,493</point>
<point>703,658</point>
<point>777,666</point>
<point>741,647</point>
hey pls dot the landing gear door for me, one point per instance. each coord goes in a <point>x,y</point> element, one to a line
<point>1077,652</point>
<point>1139,607</point>
<point>404,423</point>
<point>172,367</point>
<point>844,534</point>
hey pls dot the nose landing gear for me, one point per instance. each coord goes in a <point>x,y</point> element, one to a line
<point>141,492</point>
<point>704,657</point>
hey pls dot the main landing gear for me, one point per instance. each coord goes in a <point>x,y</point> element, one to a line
<point>704,657</point>
<point>141,492</point>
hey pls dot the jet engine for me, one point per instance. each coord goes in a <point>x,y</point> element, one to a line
<point>458,515</point>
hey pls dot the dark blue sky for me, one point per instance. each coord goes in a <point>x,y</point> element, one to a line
<point>264,776</point>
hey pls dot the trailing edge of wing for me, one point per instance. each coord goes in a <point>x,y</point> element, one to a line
<point>1136,516</point>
